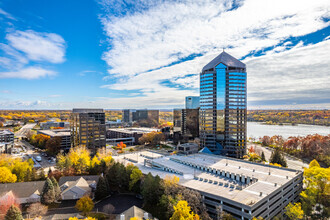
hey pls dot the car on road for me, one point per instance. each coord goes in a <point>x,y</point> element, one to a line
<point>38,158</point>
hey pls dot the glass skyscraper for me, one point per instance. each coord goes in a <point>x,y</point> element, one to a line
<point>223,106</point>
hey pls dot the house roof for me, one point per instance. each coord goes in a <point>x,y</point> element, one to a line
<point>77,183</point>
<point>23,189</point>
<point>134,212</point>
<point>226,59</point>
<point>89,179</point>
<point>62,216</point>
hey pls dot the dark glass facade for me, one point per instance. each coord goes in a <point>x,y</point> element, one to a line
<point>223,106</point>
<point>88,128</point>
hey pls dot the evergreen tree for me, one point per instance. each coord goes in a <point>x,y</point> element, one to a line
<point>28,175</point>
<point>277,157</point>
<point>57,189</point>
<point>263,157</point>
<point>34,175</point>
<point>48,192</point>
<point>14,213</point>
<point>102,189</point>
<point>42,175</point>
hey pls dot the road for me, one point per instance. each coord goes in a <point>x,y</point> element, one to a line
<point>291,162</point>
<point>23,131</point>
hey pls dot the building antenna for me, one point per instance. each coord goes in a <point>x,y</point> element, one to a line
<point>223,49</point>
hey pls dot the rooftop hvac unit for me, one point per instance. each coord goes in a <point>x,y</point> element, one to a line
<point>122,217</point>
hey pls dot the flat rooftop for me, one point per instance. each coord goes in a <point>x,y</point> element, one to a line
<point>140,130</point>
<point>5,132</point>
<point>56,132</point>
<point>267,178</point>
<point>87,110</point>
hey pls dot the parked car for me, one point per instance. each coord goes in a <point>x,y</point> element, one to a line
<point>38,158</point>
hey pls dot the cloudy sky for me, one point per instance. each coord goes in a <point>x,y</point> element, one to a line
<point>60,54</point>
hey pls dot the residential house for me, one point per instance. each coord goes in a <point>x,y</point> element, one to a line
<point>75,187</point>
<point>134,212</point>
<point>24,192</point>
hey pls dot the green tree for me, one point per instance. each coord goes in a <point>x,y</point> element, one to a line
<point>152,190</point>
<point>294,211</point>
<point>263,158</point>
<point>57,189</point>
<point>14,213</point>
<point>48,193</point>
<point>85,205</point>
<point>102,189</point>
<point>135,178</point>
<point>183,212</point>
<point>277,157</point>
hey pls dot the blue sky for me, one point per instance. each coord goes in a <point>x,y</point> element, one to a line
<point>148,53</point>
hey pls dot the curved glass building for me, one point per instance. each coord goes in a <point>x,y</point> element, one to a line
<point>223,106</point>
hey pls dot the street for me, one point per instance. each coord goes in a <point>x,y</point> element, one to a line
<point>291,162</point>
<point>23,131</point>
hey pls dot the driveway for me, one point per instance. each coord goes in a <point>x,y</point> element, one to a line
<point>121,202</point>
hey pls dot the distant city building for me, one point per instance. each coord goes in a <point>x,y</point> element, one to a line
<point>129,136</point>
<point>223,106</point>
<point>192,102</point>
<point>185,125</point>
<point>144,117</point>
<point>52,124</point>
<point>64,134</point>
<point>6,136</point>
<point>88,128</point>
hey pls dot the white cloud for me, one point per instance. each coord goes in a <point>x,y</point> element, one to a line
<point>25,47</point>
<point>145,45</point>
<point>6,14</point>
<point>38,46</point>
<point>28,73</point>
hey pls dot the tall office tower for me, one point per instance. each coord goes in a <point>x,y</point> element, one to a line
<point>192,102</point>
<point>223,106</point>
<point>88,128</point>
<point>128,115</point>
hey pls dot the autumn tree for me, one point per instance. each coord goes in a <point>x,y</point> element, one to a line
<point>85,205</point>
<point>14,213</point>
<point>37,210</point>
<point>53,145</point>
<point>183,211</point>
<point>6,202</point>
<point>316,193</point>
<point>6,176</point>
<point>294,211</point>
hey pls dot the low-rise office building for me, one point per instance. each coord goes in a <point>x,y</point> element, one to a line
<point>53,124</point>
<point>6,147</point>
<point>187,148</point>
<point>6,136</point>
<point>129,136</point>
<point>240,188</point>
<point>64,134</point>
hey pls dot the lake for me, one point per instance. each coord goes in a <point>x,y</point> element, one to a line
<point>257,129</point>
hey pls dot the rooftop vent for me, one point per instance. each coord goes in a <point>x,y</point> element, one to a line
<point>260,194</point>
<point>287,177</point>
<point>275,184</point>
